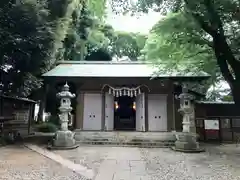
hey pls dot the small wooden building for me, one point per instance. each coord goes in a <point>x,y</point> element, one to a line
<point>226,116</point>
<point>16,114</point>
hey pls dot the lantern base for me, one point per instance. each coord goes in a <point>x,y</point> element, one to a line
<point>63,140</point>
<point>186,142</point>
<point>199,150</point>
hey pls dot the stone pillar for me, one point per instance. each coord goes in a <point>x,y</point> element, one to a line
<point>64,138</point>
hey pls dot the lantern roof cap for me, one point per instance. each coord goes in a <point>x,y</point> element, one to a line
<point>66,87</point>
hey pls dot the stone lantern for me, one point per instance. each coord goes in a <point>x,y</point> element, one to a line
<point>65,106</point>
<point>187,139</point>
<point>186,109</point>
<point>64,138</point>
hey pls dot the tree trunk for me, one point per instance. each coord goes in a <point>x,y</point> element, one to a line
<point>227,62</point>
<point>229,65</point>
<point>236,92</point>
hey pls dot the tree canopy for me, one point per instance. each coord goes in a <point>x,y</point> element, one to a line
<point>31,31</point>
<point>177,42</point>
<point>194,35</point>
<point>199,30</point>
<point>127,44</point>
<point>34,35</point>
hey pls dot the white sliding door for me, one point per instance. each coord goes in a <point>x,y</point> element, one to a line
<point>109,112</point>
<point>140,112</point>
<point>157,112</point>
<point>92,114</point>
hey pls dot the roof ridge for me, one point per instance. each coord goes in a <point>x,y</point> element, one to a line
<point>104,62</point>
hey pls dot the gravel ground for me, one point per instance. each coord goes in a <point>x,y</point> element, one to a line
<point>122,163</point>
<point>20,163</point>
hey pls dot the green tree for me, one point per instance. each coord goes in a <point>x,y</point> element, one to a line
<point>127,44</point>
<point>85,34</point>
<point>31,35</point>
<point>218,22</point>
<point>31,32</point>
<point>177,42</point>
<point>90,38</point>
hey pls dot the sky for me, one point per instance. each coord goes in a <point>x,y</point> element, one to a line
<point>130,23</point>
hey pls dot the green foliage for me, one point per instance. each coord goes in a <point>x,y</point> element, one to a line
<point>127,44</point>
<point>203,34</point>
<point>222,95</point>
<point>26,31</point>
<point>85,33</point>
<point>88,35</point>
<point>54,119</point>
<point>178,43</point>
<point>46,127</point>
<point>31,32</point>
<point>134,7</point>
<point>98,8</point>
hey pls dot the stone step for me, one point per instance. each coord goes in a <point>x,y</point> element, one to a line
<point>134,144</point>
<point>134,141</point>
<point>118,138</point>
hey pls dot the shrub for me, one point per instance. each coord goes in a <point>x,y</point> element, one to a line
<point>46,127</point>
<point>54,119</point>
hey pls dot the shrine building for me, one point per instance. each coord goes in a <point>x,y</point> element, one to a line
<point>123,96</point>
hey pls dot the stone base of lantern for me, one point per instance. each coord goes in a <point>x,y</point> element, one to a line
<point>187,142</point>
<point>63,140</point>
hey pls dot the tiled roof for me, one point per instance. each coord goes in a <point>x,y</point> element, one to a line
<point>215,102</point>
<point>112,69</point>
<point>18,98</point>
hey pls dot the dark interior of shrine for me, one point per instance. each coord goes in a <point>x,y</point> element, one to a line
<point>125,113</point>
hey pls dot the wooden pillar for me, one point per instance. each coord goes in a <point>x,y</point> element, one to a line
<point>173,113</point>
<point>143,115</point>
<point>103,111</point>
<point>146,112</point>
<point>170,107</point>
<point>79,110</point>
<point>1,104</point>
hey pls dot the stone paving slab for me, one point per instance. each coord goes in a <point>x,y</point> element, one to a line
<point>138,167</point>
<point>106,170</point>
<point>125,163</point>
<point>120,175</point>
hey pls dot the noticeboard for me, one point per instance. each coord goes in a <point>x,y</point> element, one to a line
<point>211,124</point>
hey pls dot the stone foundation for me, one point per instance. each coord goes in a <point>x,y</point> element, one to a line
<point>63,140</point>
<point>121,138</point>
<point>186,142</point>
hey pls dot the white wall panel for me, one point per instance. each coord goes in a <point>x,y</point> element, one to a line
<point>157,112</point>
<point>92,114</point>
